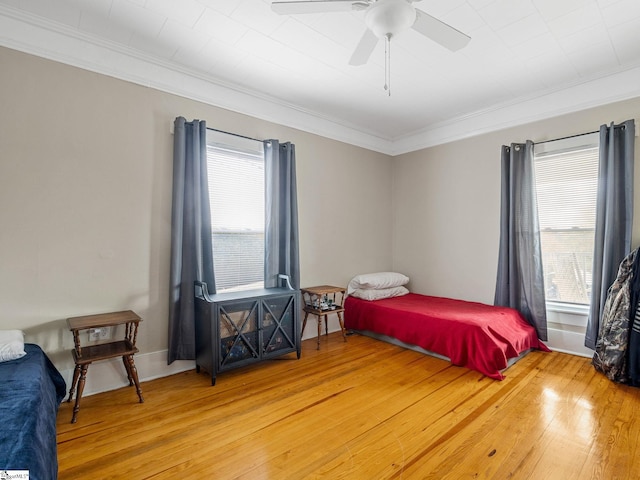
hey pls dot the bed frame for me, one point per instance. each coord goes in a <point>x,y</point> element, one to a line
<point>416,348</point>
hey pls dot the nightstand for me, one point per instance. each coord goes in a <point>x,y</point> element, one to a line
<point>84,356</point>
<point>321,301</point>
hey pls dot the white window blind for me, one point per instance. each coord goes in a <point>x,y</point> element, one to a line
<point>566,184</point>
<point>236,194</point>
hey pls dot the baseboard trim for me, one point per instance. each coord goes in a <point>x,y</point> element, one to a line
<point>111,375</point>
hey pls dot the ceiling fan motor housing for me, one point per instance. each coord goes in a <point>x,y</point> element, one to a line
<point>389,17</point>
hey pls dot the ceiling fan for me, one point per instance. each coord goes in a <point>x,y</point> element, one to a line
<point>384,19</point>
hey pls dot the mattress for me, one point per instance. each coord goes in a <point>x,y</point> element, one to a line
<point>470,334</point>
<point>32,389</point>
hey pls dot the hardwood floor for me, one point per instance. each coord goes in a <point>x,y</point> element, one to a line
<point>360,410</point>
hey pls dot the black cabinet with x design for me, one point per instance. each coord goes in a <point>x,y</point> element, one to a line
<point>235,329</point>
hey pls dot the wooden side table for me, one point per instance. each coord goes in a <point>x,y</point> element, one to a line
<point>321,301</point>
<point>84,356</point>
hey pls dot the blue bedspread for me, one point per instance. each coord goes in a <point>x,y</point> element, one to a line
<point>31,390</point>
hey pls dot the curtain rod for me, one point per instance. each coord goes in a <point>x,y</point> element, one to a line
<point>622,125</point>
<point>235,135</point>
<point>567,137</point>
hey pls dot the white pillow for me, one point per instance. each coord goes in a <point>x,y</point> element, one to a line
<point>11,345</point>
<point>380,293</point>
<point>377,281</point>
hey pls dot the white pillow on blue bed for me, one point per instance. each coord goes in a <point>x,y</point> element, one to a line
<point>380,293</point>
<point>11,345</point>
<point>377,281</point>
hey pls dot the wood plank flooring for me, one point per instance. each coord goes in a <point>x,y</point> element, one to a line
<point>362,409</point>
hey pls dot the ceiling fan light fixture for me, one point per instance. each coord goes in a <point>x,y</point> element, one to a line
<point>390,17</point>
<point>384,19</point>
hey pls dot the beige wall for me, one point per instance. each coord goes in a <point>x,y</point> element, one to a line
<point>446,202</point>
<point>85,200</point>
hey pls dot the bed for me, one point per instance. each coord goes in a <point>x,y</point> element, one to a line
<point>481,337</point>
<point>32,389</point>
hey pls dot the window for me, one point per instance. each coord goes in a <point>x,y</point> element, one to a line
<point>566,173</point>
<point>236,193</point>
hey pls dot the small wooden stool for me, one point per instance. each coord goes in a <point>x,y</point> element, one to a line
<point>321,301</point>
<point>84,356</point>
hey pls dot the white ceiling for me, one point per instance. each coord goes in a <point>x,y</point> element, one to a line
<point>527,59</point>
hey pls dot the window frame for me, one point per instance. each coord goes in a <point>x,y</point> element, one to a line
<point>574,143</point>
<point>243,147</point>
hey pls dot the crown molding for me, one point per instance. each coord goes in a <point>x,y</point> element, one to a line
<point>595,92</point>
<point>54,41</point>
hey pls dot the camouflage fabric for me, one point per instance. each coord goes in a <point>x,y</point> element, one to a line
<point>610,355</point>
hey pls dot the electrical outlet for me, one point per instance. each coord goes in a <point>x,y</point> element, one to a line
<point>99,333</point>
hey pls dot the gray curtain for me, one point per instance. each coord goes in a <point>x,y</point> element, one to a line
<point>281,227</point>
<point>191,249</point>
<point>520,279</point>
<point>614,216</point>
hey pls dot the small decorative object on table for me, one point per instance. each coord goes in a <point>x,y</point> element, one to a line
<point>321,301</point>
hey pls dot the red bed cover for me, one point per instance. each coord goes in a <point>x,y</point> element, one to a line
<point>474,335</point>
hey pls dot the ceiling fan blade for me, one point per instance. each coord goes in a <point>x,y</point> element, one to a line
<point>364,49</point>
<point>312,6</point>
<point>439,32</point>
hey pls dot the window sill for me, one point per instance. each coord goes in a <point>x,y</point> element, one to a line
<point>570,308</point>
<point>567,315</point>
